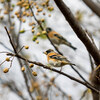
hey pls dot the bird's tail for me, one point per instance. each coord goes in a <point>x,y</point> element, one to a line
<point>74,48</point>
<point>70,45</point>
<point>67,63</point>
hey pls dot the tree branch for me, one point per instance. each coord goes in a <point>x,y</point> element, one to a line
<point>84,93</point>
<point>57,71</point>
<point>10,40</point>
<point>94,7</point>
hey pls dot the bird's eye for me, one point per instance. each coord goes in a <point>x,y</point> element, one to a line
<point>48,29</point>
<point>55,34</point>
<point>48,51</point>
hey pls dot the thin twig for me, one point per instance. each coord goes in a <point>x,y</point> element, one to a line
<point>26,80</point>
<point>30,71</point>
<point>80,75</point>
<point>5,47</point>
<point>28,89</point>
<point>10,40</point>
<point>18,36</point>
<point>11,62</point>
<point>21,49</point>
<point>4,61</point>
<point>90,36</point>
<point>4,52</point>
<point>91,62</point>
<point>84,93</point>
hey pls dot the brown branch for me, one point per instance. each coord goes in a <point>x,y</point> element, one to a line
<point>92,49</point>
<point>62,73</point>
<point>5,47</point>
<point>10,40</point>
<point>84,93</point>
<point>93,6</point>
<point>80,75</point>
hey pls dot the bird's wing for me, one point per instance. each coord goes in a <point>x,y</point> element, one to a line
<point>60,37</point>
<point>54,57</point>
<point>59,57</point>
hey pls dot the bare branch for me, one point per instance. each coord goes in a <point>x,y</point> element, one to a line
<point>5,47</point>
<point>10,40</point>
<point>93,6</point>
<point>84,93</point>
<point>80,75</point>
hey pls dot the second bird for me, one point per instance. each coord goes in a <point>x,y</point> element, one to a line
<point>57,39</point>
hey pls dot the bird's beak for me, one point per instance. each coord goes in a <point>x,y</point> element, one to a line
<point>45,53</point>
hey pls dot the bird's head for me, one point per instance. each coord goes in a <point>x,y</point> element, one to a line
<point>48,51</point>
<point>48,29</point>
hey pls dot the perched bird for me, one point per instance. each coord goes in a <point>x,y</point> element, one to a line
<point>57,39</point>
<point>55,59</point>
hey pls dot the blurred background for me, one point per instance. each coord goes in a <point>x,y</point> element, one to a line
<point>17,84</point>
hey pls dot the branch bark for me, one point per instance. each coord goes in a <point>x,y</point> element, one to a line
<point>93,6</point>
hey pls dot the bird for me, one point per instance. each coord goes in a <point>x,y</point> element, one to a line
<point>55,59</point>
<point>58,39</point>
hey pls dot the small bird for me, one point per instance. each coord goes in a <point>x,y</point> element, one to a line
<point>55,59</point>
<point>57,39</point>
